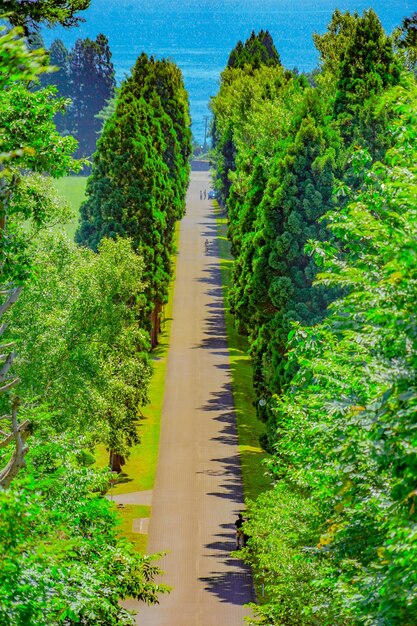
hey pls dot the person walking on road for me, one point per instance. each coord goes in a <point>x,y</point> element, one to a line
<point>240,537</point>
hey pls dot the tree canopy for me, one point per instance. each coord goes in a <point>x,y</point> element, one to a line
<point>140,174</point>
<point>318,183</point>
<point>30,15</point>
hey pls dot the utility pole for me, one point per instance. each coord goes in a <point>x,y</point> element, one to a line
<point>206,119</point>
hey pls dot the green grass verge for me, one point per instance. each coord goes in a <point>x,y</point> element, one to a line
<point>248,426</point>
<point>73,189</point>
<point>128,513</point>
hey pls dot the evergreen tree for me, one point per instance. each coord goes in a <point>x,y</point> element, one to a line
<point>59,58</point>
<point>256,51</point>
<point>367,67</point>
<point>140,174</point>
<point>332,44</point>
<point>273,276</point>
<point>246,59</point>
<point>91,85</point>
<point>407,41</point>
<point>337,533</point>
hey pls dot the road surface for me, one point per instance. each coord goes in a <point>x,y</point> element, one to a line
<point>198,488</point>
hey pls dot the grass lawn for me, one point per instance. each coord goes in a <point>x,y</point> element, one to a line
<point>128,513</point>
<point>248,425</point>
<point>73,189</point>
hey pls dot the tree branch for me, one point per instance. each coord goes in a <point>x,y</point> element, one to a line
<point>5,346</point>
<point>9,438</point>
<point>17,461</point>
<point>10,385</point>
<point>7,366</point>
<point>10,301</point>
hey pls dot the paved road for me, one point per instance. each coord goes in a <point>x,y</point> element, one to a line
<point>198,490</point>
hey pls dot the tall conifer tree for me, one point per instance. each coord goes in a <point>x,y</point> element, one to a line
<point>140,173</point>
<point>91,85</point>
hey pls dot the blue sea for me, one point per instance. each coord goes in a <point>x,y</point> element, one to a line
<point>199,34</point>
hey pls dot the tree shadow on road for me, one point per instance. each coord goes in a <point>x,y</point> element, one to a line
<point>231,486</point>
<point>234,587</point>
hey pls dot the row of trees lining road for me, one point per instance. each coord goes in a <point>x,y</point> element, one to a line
<point>140,175</point>
<point>85,78</point>
<point>318,176</point>
<point>75,367</point>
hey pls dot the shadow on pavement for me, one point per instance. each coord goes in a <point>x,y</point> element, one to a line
<point>233,587</point>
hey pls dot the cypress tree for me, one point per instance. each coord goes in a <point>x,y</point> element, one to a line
<point>256,51</point>
<point>140,174</point>
<point>59,58</point>
<point>367,67</point>
<point>92,84</point>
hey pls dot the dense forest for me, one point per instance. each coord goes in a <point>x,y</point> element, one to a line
<point>76,320</point>
<point>318,176</point>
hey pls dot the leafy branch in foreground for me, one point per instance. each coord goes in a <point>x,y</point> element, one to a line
<point>29,143</point>
<point>63,560</point>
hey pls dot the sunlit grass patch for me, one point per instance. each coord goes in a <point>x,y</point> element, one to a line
<point>128,514</point>
<point>73,189</point>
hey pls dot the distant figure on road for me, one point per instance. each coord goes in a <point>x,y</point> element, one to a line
<point>240,537</point>
<point>205,194</point>
<point>201,195</point>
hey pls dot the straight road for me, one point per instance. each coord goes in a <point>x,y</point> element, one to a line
<point>198,488</point>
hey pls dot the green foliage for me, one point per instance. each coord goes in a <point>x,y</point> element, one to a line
<point>345,428</point>
<point>240,110</point>
<point>62,559</point>
<point>17,63</point>
<point>29,14</point>
<point>30,144</point>
<point>333,43</point>
<point>79,323</point>
<point>367,67</point>
<point>319,183</point>
<point>272,276</point>
<point>84,76</point>
<point>295,579</point>
<point>91,83</point>
<point>258,50</point>
<point>140,173</point>
<point>405,39</point>
<point>83,366</point>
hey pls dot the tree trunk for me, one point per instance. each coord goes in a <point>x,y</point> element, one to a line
<point>116,462</point>
<point>155,324</point>
<point>16,433</point>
